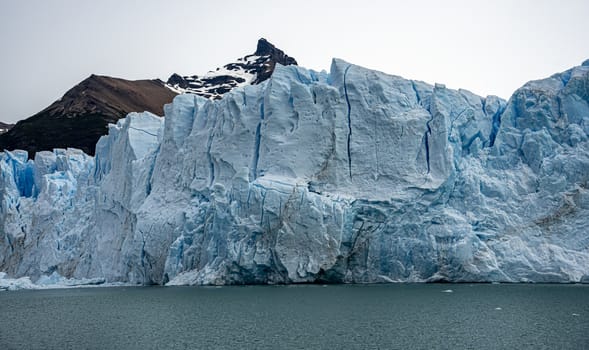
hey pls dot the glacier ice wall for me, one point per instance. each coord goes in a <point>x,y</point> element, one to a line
<point>350,176</point>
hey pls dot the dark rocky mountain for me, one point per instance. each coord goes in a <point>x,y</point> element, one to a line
<point>82,115</point>
<point>4,127</point>
<point>251,69</point>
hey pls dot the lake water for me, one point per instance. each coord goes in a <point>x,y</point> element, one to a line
<point>403,316</point>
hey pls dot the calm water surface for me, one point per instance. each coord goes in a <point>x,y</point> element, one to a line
<point>407,316</point>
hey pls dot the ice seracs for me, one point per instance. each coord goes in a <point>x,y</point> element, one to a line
<point>351,176</point>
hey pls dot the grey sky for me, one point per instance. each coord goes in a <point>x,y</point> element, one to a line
<point>488,47</point>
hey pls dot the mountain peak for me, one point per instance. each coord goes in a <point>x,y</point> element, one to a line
<point>265,48</point>
<point>251,69</point>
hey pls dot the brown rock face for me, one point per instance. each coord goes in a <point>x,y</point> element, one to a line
<point>275,56</point>
<point>82,115</point>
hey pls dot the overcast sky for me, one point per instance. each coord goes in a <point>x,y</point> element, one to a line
<point>488,47</point>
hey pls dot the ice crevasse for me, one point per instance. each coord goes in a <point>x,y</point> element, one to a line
<point>351,176</point>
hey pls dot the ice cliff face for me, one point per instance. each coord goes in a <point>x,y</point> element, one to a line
<point>347,176</point>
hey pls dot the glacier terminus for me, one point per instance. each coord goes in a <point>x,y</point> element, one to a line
<point>346,176</point>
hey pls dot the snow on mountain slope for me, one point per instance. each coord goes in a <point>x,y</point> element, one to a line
<point>350,176</point>
<point>251,69</point>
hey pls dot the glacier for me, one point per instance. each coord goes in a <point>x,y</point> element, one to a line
<point>346,176</point>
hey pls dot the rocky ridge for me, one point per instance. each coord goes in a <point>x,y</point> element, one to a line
<point>249,70</point>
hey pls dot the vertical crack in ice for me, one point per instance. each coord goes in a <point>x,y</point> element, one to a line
<point>559,107</point>
<point>249,194</point>
<point>349,120</point>
<point>256,156</point>
<point>97,168</point>
<point>496,125</point>
<point>427,135</point>
<point>210,158</point>
<point>151,170</point>
<point>10,242</point>
<point>263,193</point>
<point>416,93</point>
<point>428,132</point>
